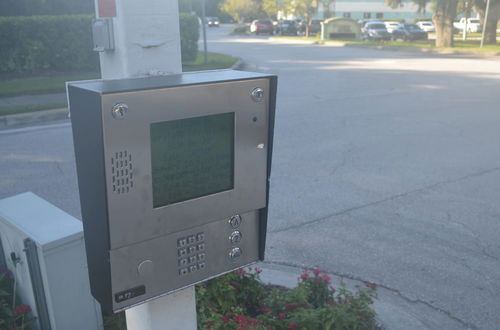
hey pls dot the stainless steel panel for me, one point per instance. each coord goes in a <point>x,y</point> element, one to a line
<point>162,259</point>
<point>132,218</point>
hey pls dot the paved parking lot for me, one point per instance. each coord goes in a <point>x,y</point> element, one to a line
<point>386,168</point>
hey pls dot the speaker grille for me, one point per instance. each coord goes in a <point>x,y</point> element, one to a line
<point>121,171</point>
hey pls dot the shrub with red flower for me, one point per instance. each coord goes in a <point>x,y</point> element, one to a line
<point>21,309</point>
<point>240,301</point>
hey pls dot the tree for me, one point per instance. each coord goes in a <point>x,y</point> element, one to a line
<point>306,9</point>
<point>490,29</point>
<point>241,10</point>
<point>444,14</point>
<point>270,7</point>
<point>327,13</point>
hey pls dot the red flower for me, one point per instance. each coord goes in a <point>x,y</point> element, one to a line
<point>290,307</point>
<point>327,279</point>
<point>304,276</point>
<point>6,272</point>
<point>240,319</point>
<point>317,272</point>
<point>224,319</point>
<point>21,310</point>
<point>258,270</point>
<point>265,310</point>
<point>241,272</point>
<point>371,285</point>
<point>282,316</point>
<point>293,325</point>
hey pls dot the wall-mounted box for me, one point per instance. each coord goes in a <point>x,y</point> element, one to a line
<point>173,173</point>
<point>102,34</point>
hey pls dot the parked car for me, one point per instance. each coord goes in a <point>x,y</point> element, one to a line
<point>375,31</point>
<point>213,21</point>
<point>363,22</point>
<point>427,26</point>
<point>473,24</point>
<point>287,27</point>
<point>408,32</point>
<point>315,26</point>
<point>262,26</point>
<point>390,25</point>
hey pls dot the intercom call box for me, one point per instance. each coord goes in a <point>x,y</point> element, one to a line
<point>173,174</point>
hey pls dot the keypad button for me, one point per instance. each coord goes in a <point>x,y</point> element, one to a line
<point>192,259</point>
<point>182,252</point>
<point>200,237</point>
<point>192,249</point>
<point>181,242</point>
<point>201,247</point>
<point>191,239</point>
<point>193,268</point>
<point>235,253</point>
<point>183,271</point>
<point>201,265</point>
<point>235,237</point>
<point>183,262</point>
<point>201,256</point>
<point>235,221</point>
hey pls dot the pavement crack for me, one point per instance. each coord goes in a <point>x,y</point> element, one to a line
<point>343,161</point>
<point>387,199</point>
<point>395,292</point>
<point>477,237</point>
<point>58,166</point>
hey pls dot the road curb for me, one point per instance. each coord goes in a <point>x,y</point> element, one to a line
<point>32,118</point>
<point>426,50</point>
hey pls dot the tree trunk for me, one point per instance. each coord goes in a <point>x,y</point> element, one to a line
<point>446,11</point>
<point>490,30</point>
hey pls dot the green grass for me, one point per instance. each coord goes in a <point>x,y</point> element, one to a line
<point>56,83</point>
<point>40,85</point>
<point>15,109</point>
<point>215,62</point>
<point>467,45</point>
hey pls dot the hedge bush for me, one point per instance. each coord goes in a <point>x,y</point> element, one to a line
<point>31,44</point>
<point>36,44</point>
<point>189,27</point>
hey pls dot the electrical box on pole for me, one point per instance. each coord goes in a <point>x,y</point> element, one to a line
<point>173,173</point>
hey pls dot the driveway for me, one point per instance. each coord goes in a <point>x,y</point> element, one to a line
<point>386,168</point>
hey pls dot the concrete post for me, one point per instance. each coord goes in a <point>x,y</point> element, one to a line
<point>147,42</point>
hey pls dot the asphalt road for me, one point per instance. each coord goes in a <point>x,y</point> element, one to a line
<point>386,168</point>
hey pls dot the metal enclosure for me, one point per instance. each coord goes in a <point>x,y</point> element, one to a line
<point>102,34</point>
<point>137,248</point>
<point>50,267</point>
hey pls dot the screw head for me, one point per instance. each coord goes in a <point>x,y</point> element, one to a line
<point>257,94</point>
<point>119,110</point>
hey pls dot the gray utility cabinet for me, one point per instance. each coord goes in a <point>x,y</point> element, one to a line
<point>44,248</point>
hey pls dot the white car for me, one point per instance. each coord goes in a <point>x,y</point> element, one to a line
<point>473,24</point>
<point>390,25</point>
<point>427,26</point>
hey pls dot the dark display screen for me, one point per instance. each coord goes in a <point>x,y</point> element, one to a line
<point>192,157</point>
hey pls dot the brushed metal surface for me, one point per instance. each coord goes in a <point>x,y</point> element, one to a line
<point>162,252</point>
<point>132,218</point>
